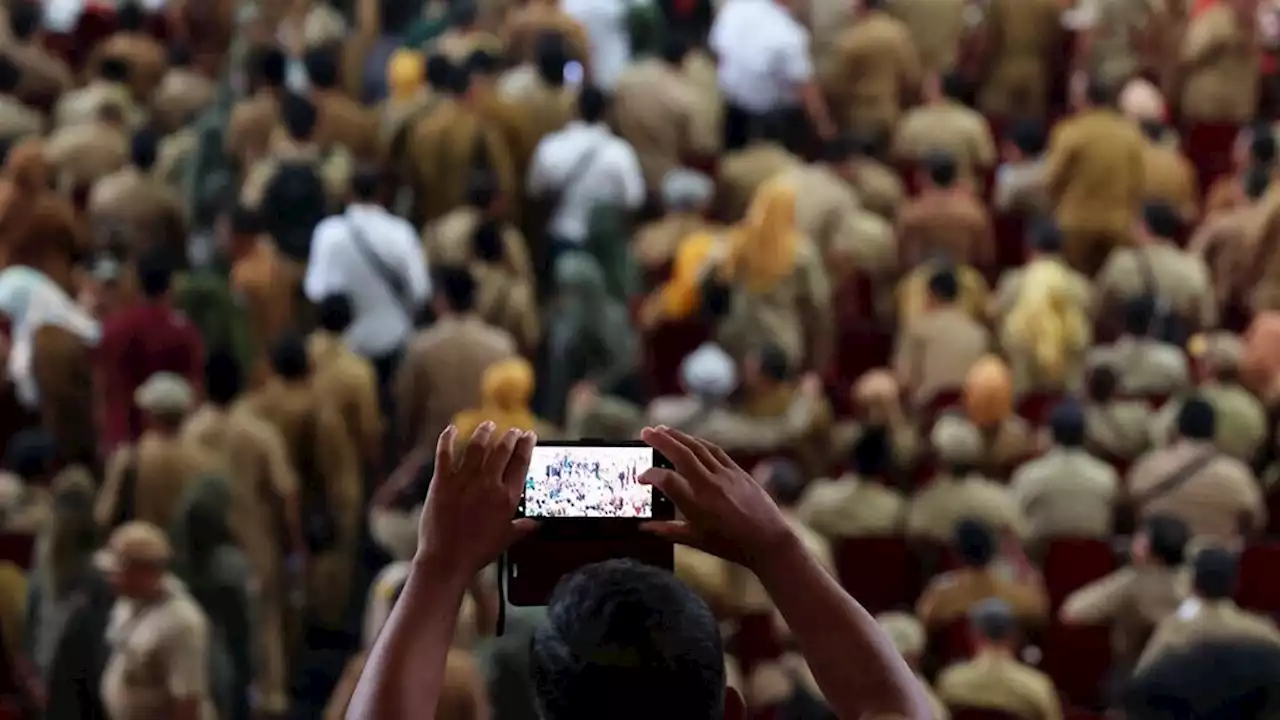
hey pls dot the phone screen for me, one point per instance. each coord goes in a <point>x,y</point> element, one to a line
<point>588,482</point>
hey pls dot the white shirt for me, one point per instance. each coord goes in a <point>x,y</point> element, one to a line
<point>380,323</point>
<point>32,300</point>
<point>612,175</point>
<point>607,28</point>
<point>763,55</point>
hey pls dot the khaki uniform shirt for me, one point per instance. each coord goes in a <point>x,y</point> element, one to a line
<point>1000,682</point>
<point>936,26</point>
<point>852,507</point>
<point>935,510</point>
<point>1178,277</point>
<point>741,173</point>
<point>936,351</point>
<point>84,153</point>
<point>950,595</point>
<point>18,121</point>
<point>1240,425</point>
<point>879,188</point>
<point>1198,620</point>
<point>143,209</point>
<point>163,468</point>
<point>947,127</point>
<point>1171,178</point>
<point>1214,502</point>
<point>951,224</point>
<point>182,94</point>
<point>1119,428</point>
<point>348,379</point>
<point>875,65</point>
<point>1133,600</point>
<point>655,108</point>
<point>1066,493</point>
<point>45,76</point>
<point>147,60</point>
<point>85,104</point>
<point>253,120</point>
<point>1144,366</point>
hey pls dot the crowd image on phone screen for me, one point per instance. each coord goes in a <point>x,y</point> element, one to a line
<point>592,482</point>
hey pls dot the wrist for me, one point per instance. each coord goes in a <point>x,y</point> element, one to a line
<point>440,572</point>
<point>778,559</point>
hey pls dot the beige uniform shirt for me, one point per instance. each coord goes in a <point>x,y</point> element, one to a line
<point>1198,620</point>
<point>852,507</point>
<point>1214,501</point>
<point>999,682</point>
<point>934,512</point>
<point>1066,493</point>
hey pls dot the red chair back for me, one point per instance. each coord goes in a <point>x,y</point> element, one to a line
<point>664,347</point>
<point>952,642</point>
<point>879,572</point>
<point>941,401</point>
<point>1259,586</point>
<point>1078,660</point>
<point>1035,407</point>
<point>1208,146</point>
<point>18,548</point>
<point>1072,563</point>
<point>756,641</point>
<point>973,713</point>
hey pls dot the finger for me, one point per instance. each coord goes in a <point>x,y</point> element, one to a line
<point>495,464</point>
<point>681,457</point>
<point>671,484</point>
<point>444,449</point>
<point>718,453</point>
<point>517,469</point>
<point>700,449</point>
<point>676,531</point>
<point>520,529</point>
<point>477,448</point>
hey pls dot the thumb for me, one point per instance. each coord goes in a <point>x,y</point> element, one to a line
<point>520,529</point>
<point>676,531</point>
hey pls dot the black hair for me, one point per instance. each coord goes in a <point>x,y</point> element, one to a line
<point>223,377</point>
<point>114,69</point>
<point>180,54</point>
<point>1102,384</point>
<point>1100,93</point>
<point>299,116</point>
<point>269,66</point>
<point>994,620</point>
<point>592,104</point>
<point>770,127</point>
<point>144,147</point>
<point>550,57</point>
<point>246,221</point>
<point>1066,422</point>
<point>366,183</point>
<point>486,241</point>
<point>786,482</point>
<point>872,454</point>
<point>458,81</point>
<point>774,363</point>
<point>334,313</point>
<point>717,298</point>
<point>482,190</point>
<point>10,75</point>
<point>1220,679</point>
<point>1139,312</point>
<point>974,543</point>
<point>1162,220</point>
<point>1262,145</point>
<point>1167,537</point>
<point>130,17</point>
<point>957,87</point>
<point>1196,419</point>
<point>482,62</point>
<point>944,284</point>
<point>439,72</point>
<point>869,144</point>
<point>1256,181</point>
<point>674,49</point>
<point>463,13</point>
<point>458,288</point>
<point>289,358</point>
<point>1045,236</point>
<point>619,629</point>
<point>1214,571</point>
<point>322,68</point>
<point>30,454</point>
<point>155,273</point>
<point>1028,136</point>
<point>942,169</point>
<point>25,19</point>
<point>1153,129</point>
<point>840,148</point>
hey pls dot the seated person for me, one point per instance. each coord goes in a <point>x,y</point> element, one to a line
<point>877,403</point>
<point>1145,365</point>
<point>936,349</point>
<point>988,403</point>
<point>1116,428</point>
<point>862,502</point>
<point>951,596</point>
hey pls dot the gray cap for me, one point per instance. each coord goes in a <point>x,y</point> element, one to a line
<point>165,392</point>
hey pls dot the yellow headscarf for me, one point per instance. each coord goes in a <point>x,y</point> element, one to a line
<point>1045,320</point>
<point>406,74</point>
<point>505,392</point>
<point>760,252</point>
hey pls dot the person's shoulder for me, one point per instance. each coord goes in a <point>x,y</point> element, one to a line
<point>956,675</point>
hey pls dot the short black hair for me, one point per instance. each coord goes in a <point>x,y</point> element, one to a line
<point>674,49</point>
<point>550,56</point>
<point>269,66</point>
<point>155,273</point>
<point>439,70</point>
<point>30,453</point>
<point>289,357</point>
<point>1154,130</point>
<point>1226,679</point>
<point>1045,236</point>
<point>482,189</point>
<point>144,148</point>
<point>486,241</point>
<point>620,629</point>
<point>1197,419</point>
<point>1139,313</point>
<point>1167,537</point>
<point>840,148</point>
<point>1066,422</point>
<point>458,81</point>
<point>223,377</point>
<point>1213,575</point>
<point>483,62</point>
<point>786,482</point>
<point>942,169</point>
<point>1262,144</point>
<point>10,75</point>
<point>463,13</point>
<point>1102,383</point>
<point>944,284</point>
<point>1100,92</point>
<point>957,87</point>
<point>1162,219</point>
<point>334,313</point>
<point>25,19</point>
<point>114,69</point>
<point>592,104</point>
<point>180,54</point>
<point>872,453</point>
<point>299,116</point>
<point>1028,135</point>
<point>366,183</point>
<point>974,543</point>
<point>994,620</point>
<point>774,363</point>
<point>246,221</point>
<point>322,68</point>
<point>458,288</point>
<point>1256,181</point>
<point>130,17</point>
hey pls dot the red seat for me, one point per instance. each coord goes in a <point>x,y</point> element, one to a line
<point>1010,234</point>
<point>18,548</point>
<point>1208,145</point>
<point>665,346</point>
<point>1035,407</point>
<point>1259,587</point>
<point>951,643</point>
<point>974,713</point>
<point>879,572</point>
<point>1072,563</point>
<point>859,347</point>
<point>1078,659</point>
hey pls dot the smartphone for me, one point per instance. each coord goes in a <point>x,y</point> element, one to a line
<point>589,503</point>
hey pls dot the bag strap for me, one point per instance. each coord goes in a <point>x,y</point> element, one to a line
<point>580,167</point>
<point>394,283</point>
<point>1177,478</point>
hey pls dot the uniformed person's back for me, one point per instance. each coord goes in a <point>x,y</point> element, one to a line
<point>960,491</point>
<point>949,597</point>
<point>861,503</point>
<point>1144,365</point>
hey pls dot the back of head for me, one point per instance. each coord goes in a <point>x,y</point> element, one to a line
<point>993,620</point>
<point>674,49</point>
<point>486,242</point>
<point>1102,384</point>
<point>458,288</point>
<point>268,66</point>
<point>630,638</point>
<point>10,75</point>
<point>30,454</point>
<point>770,127</point>
<point>1262,145</point>
<point>366,184</point>
<point>942,170</point>
<point>1256,181</point>
<point>1066,422</point>
<point>1162,220</point>
<point>1227,679</point>
<point>872,453</point>
<point>944,285</point>
<point>592,105</point>
<point>439,71</point>
<point>1139,314</point>
<point>1028,136</point>
<point>774,363</point>
<point>550,56</point>
<point>25,19</point>
<point>299,116</point>
<point>334,314</point>
<point>322,68</point>
<point>1167,538</point>
<point>130,17</point>
<point>155,273</point>
<point>223,378</point>
<point>114,70</point>
<point>246,222</point>
<point>180,55</point>
<point>1197,419</point>
<point>144,148</point>
<point>464,13</point>
<point>1213,575</point>
<point>785,482</point>
<point>956,87</point>
<point>482,190</point>
<point>1153,130</point>
<point>974,543</point>
<point>289,358</point>
<point>1100,93</point>
<point>1045,236</point>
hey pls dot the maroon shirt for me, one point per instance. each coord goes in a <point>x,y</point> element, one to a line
<point>138,342</point>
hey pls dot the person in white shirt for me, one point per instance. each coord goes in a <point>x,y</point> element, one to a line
<point>376,260</point>
<point>607,26</point>
<point>765,67</point>
<point>587,166</point>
